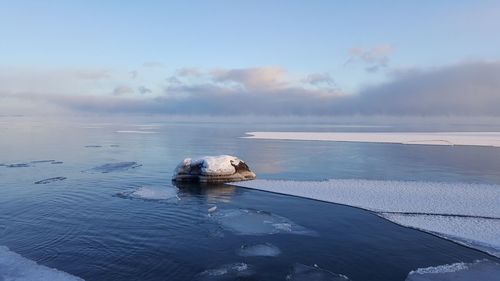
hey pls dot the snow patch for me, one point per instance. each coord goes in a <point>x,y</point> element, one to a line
<point>210,165</point>
<point>462,212</point>
<point>433,138</point>
<point>14,267</point>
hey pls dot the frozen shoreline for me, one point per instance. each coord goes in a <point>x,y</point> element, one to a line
<point>432,138</point>
<point>468,214</point>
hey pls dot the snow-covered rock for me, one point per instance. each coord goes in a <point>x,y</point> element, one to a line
<point>213,169</point>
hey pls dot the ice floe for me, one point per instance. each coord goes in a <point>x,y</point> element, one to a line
<point>222,168</point>
<point>432,138</point>
<point>482,234</point>
<point>259,250</point>
<point>462,212</point>
<point>135,132</point>
<point>257,222</point>
<point>483,270</point>
<point>227,272</point>
<point>14,267</point>
<point>301,272</point>
<point>18,165</point>
<point>155,193</point>
<point>43,161</point>
<point>114,167</point>
<point>49,180</point>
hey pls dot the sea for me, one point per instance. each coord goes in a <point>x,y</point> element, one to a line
<point>95,200</point>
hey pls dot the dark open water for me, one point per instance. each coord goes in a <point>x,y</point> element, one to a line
<point>89,225</point>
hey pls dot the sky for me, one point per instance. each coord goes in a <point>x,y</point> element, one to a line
<point>250,57</point>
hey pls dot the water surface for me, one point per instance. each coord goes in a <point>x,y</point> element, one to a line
<point>85,220</point>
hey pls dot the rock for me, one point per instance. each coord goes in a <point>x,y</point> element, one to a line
<point>213,169</point>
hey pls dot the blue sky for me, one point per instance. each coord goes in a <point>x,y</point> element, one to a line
<point>359,44</point>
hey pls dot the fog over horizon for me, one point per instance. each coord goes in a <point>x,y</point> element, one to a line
<point>463,89</point>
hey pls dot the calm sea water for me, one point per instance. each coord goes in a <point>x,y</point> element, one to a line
<point>89,226</point>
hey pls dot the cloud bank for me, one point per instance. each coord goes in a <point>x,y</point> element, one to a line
<point>469,89</point>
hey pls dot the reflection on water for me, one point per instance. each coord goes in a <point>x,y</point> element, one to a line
<point>213,193</point>
<point>87,226</point>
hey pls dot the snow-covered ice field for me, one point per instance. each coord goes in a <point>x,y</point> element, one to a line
<point>434,138</point>
<point>465,213</point>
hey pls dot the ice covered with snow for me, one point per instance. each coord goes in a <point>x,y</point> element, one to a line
<point>155,193</point>
<point>212,168</point>
<point>463,212</point>
<point>259,250</point>
<point>483,270</point>
<point>431,138</point>
<point>480,233</point>
<point>14,267</point>
<point>257,222</point>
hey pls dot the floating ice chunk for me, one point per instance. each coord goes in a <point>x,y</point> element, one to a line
<point>483,270</point>
<point>212,209</point>
<point>227,272</point>
<point>259,250</point>
<point>435,138</point>
<point>479,233</point>
<point>18,165</point>
<point>114,167</point>
<point>301,272</point>
<point>155,193</point>
<point>49,180</point>
<point>14,267</point>
<point>135,132</point>
<point>42,161</point>
<point>256,222</point>
<point>222,168</point>
<point>462,212</point>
